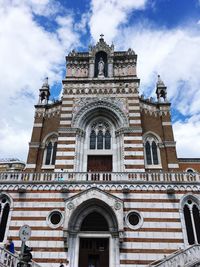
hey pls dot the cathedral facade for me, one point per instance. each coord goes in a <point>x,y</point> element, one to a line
<point>103,186</point>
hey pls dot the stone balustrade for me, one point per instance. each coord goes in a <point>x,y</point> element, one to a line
<point>154,177</point>
<point>189,257</point>
<point>8,259</point>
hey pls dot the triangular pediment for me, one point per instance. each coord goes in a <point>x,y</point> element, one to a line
<point>94,192</point>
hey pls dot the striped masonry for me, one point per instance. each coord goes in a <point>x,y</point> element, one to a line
<point>160,233</point>
<point>66,141</point>
<point>133,144</point>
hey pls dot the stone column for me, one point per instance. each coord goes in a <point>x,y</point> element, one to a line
<point>110,67</point>
<point>91,68</point>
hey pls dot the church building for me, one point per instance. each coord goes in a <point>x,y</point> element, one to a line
<point>103,186</point>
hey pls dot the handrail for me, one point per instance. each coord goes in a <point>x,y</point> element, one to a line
<point>186,257</point>
<point>158,177</point>
<point>8,259</point>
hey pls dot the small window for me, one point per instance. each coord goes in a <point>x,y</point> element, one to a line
<point>134,219</point>
<point>55,219</point>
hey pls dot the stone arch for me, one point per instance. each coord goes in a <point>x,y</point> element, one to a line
<point>103,107</point>
<point>83,204</point>
<point>88,111</point>
<point>88,207</point>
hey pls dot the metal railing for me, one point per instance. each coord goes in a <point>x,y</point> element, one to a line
<point>187,258</point>
<point>8,259</point>
<point>158,177</point>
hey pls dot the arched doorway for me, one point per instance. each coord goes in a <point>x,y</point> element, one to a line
<point>93,227</point>
<point>94,251</point>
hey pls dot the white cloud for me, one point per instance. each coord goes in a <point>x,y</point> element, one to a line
<point>28,54</point>
<point>187,135</point>
<point>108,15</point>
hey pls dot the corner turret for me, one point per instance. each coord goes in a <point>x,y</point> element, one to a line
<point>161,90</point>
<point>44,93</point>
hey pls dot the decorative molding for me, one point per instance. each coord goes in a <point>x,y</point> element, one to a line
<point>34,145</point>
<point>169,143</point>
<point>117,106</point>
<point>101,88</point>
<point>155,109</point>
<point>124,130</point>
<point>173,165</point>
<point>48,111</point>
<point>37,125</point>
<point>77,131</point>
<point>101,46</point>
<point>83,185</point>
<point>30,166</point>
<point>166,123</point>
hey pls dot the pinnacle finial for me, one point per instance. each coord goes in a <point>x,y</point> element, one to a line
<point>160,82</point>
<point>101,35</point>
<point>46,81</point>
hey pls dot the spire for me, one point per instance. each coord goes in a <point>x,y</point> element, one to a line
<point>161,90</point>
<point>44,92</point>
<point>101,35</point>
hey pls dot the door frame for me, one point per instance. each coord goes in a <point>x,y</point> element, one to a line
<point>99,156</point>
<point>113,248</point>
<point>95,238</point>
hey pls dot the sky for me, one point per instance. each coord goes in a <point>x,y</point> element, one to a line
<point>36,35</point>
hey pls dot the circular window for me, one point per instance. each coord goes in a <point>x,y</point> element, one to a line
<point>4,200</point>
<point>189,201</point>
<point>134,219</point>
<point>55,219</point>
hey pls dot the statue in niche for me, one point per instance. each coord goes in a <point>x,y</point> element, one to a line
<point>101,65</point>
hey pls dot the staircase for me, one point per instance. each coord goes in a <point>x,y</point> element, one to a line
<point>189,257</point>
<point>8,259</point>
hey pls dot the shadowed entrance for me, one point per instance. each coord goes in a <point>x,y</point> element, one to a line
<point>94,252</point>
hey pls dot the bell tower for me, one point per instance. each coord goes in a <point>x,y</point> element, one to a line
<point>100,119</point>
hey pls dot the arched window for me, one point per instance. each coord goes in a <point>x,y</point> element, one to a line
<point>93,140</point>
<point>54,153</point>
<point>100,136</point>
<point>191,213</point>
<point>50,151</point>
<point>148,153</point>
<point>4,213</point>
<point>100,140</point>
<point>152,153</point>
<point>107,140</point>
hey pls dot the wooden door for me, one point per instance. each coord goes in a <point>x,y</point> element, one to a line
<point>94,252</point>
<point>99,163</point>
